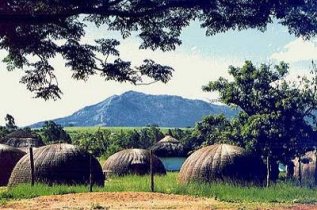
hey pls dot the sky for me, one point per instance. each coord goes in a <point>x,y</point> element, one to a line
<point>197,61</point>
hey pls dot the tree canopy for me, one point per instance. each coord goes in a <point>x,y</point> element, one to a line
<point>33,32</point>
<point>277,114</point>
<point>10,123</point>
<point>53,133</point>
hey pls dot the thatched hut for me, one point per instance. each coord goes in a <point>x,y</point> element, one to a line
<point>60,164</point>
<point>133,161</point>
<point>9,156</point>
<point>171,152</point>
<point>222,162</point>
<point>308,167</point>
<point>22,139</point>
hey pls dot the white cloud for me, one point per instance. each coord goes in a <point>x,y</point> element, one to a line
<point>296,51</point>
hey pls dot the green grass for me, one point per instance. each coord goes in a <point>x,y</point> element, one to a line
<point>280,193</point>
<point>26,191</point>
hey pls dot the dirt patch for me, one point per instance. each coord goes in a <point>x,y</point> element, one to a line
<point>134,200</point>
<point>120,200</point>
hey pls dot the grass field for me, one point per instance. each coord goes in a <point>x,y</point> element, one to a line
<point>279,193</point>
<point>113,129</point>
<point>73,131</point>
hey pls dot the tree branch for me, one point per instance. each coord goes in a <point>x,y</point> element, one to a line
<point>48,16</point>
<point>146,83</point>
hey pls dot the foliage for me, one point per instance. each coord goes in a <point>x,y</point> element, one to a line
<point>44,29</point>
<point>212,129</point>
<point>275,112</point>
<point>54,133</point>
<point>218,129</point>
<point>97,143</point>
<point>3,131</point>
<point>9,127</point>
<point>10,123</point>
<point>105,142</point>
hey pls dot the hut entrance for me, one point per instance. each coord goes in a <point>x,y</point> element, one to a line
<point>139,168</point>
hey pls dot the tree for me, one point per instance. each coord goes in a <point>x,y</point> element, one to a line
<point>218,129</point>
<point>54,133</point>
<point>33,32</point>
<point>10,123</point>
<point>97,143</point>
<point>3,132</point>
<point>277,115</point>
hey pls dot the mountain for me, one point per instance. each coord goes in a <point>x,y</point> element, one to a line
<point>138,109</point>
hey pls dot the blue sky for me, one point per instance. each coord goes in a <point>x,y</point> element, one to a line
<point>200,59</point>
<point>249,44</point>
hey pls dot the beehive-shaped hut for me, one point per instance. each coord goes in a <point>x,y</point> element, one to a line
<point>9,156</point>
<point>308,167</point>
<point>60,164</point>
<point>133,161</point>
<point>171,152</point>
<point>222,162</point>
<point>22,139</point>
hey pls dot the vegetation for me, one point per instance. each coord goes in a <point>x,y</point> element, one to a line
<point>9,127</point>
<point>10,122</point>
<point>104,143</point>
<point>35,29</point>
<point>26,191</point>
<point>285,192</point>
<point>276,115</point>
<point>3,131</point>
<point>52,132</point>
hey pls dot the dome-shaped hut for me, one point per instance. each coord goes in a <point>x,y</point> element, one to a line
<point>133,161</point>
<point>308,167</point>
<point>60,164</point>
<point>222,162</point>
<point>171,152</point>
<point>22,139</point>
<point>9,156</point>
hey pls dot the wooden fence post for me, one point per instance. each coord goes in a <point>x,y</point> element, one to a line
<point>300,170</point>
<point>90,173</point>
<point>32,165</point>
<point>151,171</point>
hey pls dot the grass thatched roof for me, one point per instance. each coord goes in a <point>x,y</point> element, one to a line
<point>58,163</point>
<point>169,147</point>
<point>222,162</point>
<point>308,167</point>
<point>133,161</point>
<point>9,156</point>
<point>22,139</point>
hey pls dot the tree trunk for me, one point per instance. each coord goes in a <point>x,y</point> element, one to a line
<point>274,170</point>
<point>268,171</point>
<point>315,168</point>
<point>290,169</point>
